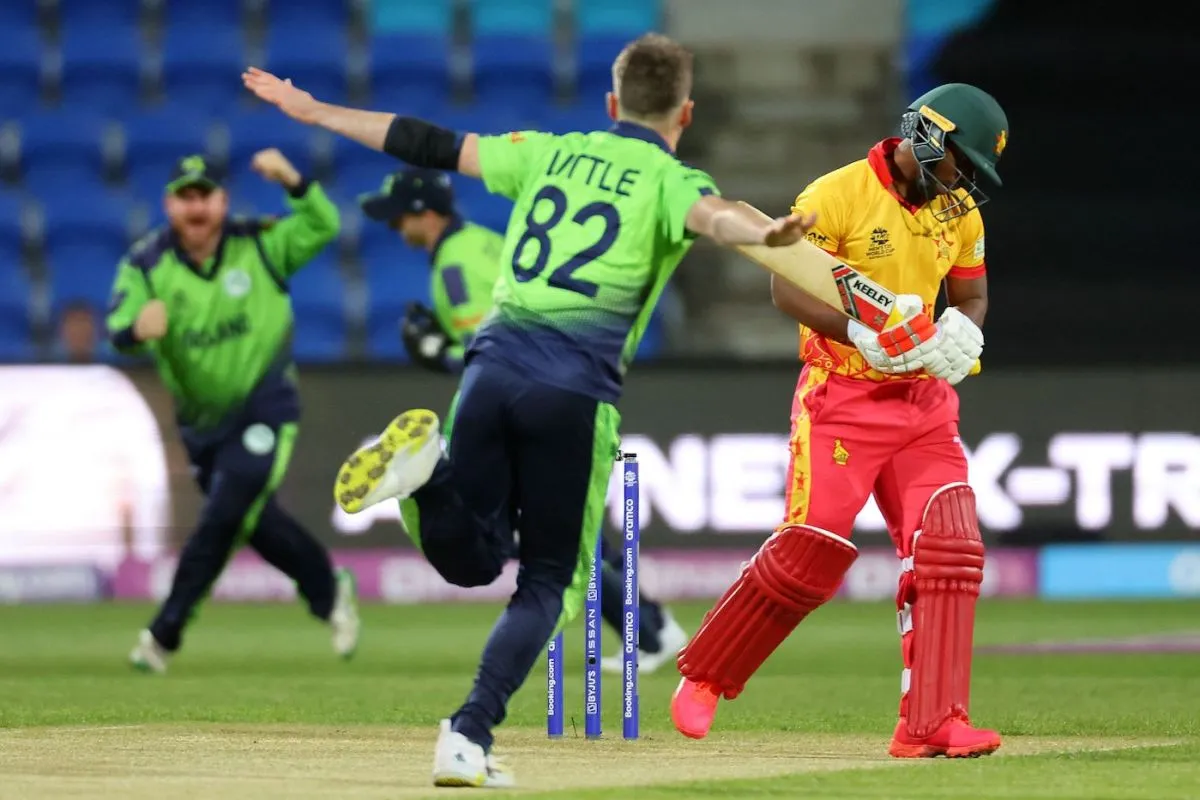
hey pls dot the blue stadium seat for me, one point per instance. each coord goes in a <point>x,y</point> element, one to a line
<point>86,234</point>
<point>98,13</point>
<point>479,205</point>
<point>359,169</point>
<point>594,58</point>
<point>101,64</point>
<point>318,294</point>
<point>395,275</point>
<point>380,242</point>
<point>319,284</point>
<point>628,18</point>
<point>313,56</point>
<point>82,271</point>
<point>11,256</point>
<point>533,18</point>
<point>61,149</point>
<point>156,139</point>
<point>252,196</point>
<point>409,73</point>
<point>15,341</point>
<point>92,216</point>
<point>428,17</point>
<point>20,68</point>
<point>513,72</point>
<point>331,14</point>
<point>202,66</point>
<point>587,115</point>
<point>482,118</point>
<point>22,14</point>
<point>205,13</point>
<point>12,235</point>
<point>262,128</point>
<point>356,178</point>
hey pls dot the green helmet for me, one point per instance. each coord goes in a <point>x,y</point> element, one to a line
<point>969,120</point>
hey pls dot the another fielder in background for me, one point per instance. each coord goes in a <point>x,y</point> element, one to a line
<point>206,296</point>
<point>600,223</point>
<point>464,261</point>
<point>465,264</point>
<point>876,413</point>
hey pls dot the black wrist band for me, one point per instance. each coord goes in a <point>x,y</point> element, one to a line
<point>124,339</point>
<point>300,189</point>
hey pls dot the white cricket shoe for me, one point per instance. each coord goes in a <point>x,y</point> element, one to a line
<point>344,618</point>
<point>395,465</point>
<point>457,761</point>
<point>149,655</point>
<point>672,637</point>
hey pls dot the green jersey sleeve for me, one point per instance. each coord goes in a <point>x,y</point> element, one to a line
<point>507,162</point>
<point>293,241</point>
<point>130,292</point>
<point>682,186</point>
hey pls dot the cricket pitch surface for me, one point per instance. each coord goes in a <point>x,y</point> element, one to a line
<point>290,761</point>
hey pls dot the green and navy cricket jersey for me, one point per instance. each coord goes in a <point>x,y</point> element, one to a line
<point>598,227</point>
<point>466,264</point>
<point>229,320</point>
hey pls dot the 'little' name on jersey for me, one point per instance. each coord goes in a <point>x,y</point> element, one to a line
<point>568,164</point>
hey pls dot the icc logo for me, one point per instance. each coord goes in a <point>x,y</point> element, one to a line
<point>629,478</point>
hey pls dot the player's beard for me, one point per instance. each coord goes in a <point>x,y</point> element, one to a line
<point>198,232</point>
<point>924,189</point>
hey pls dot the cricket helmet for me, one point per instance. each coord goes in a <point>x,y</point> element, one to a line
<point>967,119</point>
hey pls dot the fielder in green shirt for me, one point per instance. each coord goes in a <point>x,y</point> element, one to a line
<point>465,264</point>
<point>464,261</point>
<point>600,221</point>
<point>206,298</point>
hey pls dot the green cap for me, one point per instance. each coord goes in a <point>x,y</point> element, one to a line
<point>195,170</point>
<point>973,121</point>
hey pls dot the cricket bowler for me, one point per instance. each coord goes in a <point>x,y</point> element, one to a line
<point>464,267</point>
<point>206,297</point>
<point>600,222</point>
<point>877,413</point>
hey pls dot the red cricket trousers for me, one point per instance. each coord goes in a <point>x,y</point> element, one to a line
<point>851,437</point>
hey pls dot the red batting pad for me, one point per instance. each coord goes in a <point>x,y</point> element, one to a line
<point>796,570</point>
<point>948,569</point>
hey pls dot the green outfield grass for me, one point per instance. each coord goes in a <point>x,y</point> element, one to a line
<point>257,706</point>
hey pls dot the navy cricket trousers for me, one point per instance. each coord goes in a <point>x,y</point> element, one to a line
<point>238,468</point>
<point>537,453</point>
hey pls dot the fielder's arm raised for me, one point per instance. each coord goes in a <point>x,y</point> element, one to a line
<point>423,144</point>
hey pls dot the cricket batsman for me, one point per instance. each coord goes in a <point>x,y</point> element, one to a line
<point>877,413</point>
<point>465,265</point>
<point>600,222</point>
<point>206,297</point>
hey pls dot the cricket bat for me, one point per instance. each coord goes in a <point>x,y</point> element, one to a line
<point>829,280</point>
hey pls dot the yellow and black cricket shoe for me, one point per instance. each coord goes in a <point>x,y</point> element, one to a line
<point>395,465</point>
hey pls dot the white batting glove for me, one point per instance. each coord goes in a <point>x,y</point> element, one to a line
<point>867,342</point>
<point>958,345</point>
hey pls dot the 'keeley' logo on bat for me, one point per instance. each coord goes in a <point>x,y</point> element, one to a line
<point>863,299</point>
<point>860,286</point>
